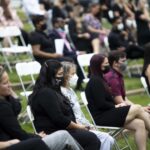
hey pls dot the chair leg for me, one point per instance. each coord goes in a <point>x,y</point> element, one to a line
<point>7,63</point>
<point>116,145</point>
<point>126,140</point>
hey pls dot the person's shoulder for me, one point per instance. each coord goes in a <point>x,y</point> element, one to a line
<point>110,74</point>
<point>94,79</point>
<point>4,105</point>
<point>46,90</point>
<point>34,33</point>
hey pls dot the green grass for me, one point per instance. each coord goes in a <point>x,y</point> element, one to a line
<point>132,83</point>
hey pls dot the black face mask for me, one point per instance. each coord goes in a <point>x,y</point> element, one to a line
<point>43,26</point>
<point>106,69</point>
<point>59,81</point>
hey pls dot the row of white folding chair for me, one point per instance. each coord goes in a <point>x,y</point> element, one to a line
<point>27,69</point>
<point>10,32</point>
<point>113,131</point>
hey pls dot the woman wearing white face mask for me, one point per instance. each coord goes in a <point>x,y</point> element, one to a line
<point>70,79</point>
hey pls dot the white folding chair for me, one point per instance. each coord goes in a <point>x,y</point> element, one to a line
<point>113,131</point>
<point>84,61</point>
<point>27,69</point>
<point>143,81</point>
<point>31,117</point>
<point>9,33</point>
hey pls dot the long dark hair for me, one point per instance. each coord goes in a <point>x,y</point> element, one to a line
<point>146,57</point>
<point>95,67</point>
<point>46,77</point>
<point>95,64</point>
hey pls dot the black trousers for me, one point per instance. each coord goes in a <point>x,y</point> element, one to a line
<point>86,139</point>
<point>31,144</point>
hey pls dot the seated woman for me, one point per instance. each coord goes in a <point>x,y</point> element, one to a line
<point>9,125</point>
<point>52,111</point>
<point>30,144</point>
<point>94,27</point>
<point>70,79</point>
<point>146,65</point>
<point>104,110</point>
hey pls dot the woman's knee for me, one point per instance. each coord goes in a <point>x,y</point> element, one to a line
<point>93,140</point>
<point>140,124</point>
<point>136,109</point>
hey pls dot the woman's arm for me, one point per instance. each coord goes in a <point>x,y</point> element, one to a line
<point>6,144</point>
<point>99,93</point>
<point>10,124</point>
<point>38,52</point>
<point>74,125</point>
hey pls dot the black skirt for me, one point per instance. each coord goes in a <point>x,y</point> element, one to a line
<point>114,117</point>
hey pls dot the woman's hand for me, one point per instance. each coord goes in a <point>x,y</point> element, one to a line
<point>83,127</point>
<point>147,109</point>
<point>120,105</point>
<point>42,134</point>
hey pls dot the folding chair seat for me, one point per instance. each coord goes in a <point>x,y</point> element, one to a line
<point>31,117</point>
<point>84,61</point>
<point>9,33</point>
<point>29,69</point>
<point>113,131</point>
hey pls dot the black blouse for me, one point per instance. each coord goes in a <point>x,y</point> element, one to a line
<point>46,45</point>
<point>52,111</point>
<point>9,125</point>
<point>98,97</point>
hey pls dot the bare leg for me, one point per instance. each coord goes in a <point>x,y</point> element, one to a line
<point>96,46</point>
<point>136,111</point>
<point>138,127</point>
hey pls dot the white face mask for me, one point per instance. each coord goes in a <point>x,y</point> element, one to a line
<point>120,26</point>
<point>73,80</point>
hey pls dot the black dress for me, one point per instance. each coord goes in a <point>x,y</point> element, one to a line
<point>102,106</point>
<point>143,31</point>
<point>52,112</point>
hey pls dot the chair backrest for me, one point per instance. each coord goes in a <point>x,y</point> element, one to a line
<point>11,31</point>
<point>27,69</point>
<point>143,81</point>
<point>85,102</point>
<point>31,117</point>
<point>84,60</point>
